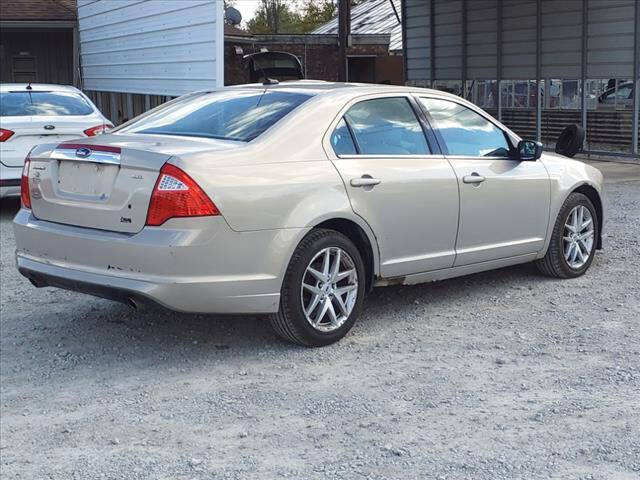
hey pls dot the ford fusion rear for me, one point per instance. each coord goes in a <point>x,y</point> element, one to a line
<point>296,200</point>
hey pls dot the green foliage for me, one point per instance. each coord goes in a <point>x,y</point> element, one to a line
<point>275,16</point>
<point>293,16</point>
<point>315,13</point>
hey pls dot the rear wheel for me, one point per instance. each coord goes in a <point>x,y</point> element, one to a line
<point>573,240</point>
<point>322,291</point>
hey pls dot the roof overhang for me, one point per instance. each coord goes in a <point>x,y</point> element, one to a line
<point>19,24</point>
<point>312,39</point>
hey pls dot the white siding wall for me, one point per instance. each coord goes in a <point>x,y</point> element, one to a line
<point>158,47</point>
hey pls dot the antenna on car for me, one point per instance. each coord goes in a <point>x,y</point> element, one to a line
<point>265,79</point>
<point>29,88</point>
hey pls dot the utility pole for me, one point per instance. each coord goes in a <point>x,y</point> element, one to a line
<point>344,32</point>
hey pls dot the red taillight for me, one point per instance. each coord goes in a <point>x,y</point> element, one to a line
<point>97,130</point>
<point>176,194</point>
<point>5,134</point>
<point>25,196</point>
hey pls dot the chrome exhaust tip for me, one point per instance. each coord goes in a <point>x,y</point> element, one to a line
<point>132,303</point>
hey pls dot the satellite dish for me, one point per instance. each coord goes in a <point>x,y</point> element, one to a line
<point>233,16</point>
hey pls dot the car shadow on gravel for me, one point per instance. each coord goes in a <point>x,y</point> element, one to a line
<point>95,332</point>
<point>87,328</point>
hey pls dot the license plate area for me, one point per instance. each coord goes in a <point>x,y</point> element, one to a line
<point>86,178</point>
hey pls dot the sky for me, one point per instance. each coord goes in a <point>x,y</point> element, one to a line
<point>247,8</point>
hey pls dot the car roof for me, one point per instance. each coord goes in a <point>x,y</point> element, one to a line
<point>36,87</point>
<point>322,88</point>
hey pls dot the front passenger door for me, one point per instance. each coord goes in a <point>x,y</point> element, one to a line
<point>504,202</point>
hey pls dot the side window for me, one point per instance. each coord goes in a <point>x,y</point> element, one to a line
<point>624,92</point>
<point>341,140</point>
<point>387,126</point>
<point>464,131</point>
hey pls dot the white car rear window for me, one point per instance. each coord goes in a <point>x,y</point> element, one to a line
<point>24,103</point>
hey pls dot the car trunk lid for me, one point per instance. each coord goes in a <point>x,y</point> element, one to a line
<point>32,130</point>
<point>102,184</point>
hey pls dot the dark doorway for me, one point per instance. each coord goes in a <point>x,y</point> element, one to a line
<point>361,69</point>
<point>36,55</point>
<point>24,69</point>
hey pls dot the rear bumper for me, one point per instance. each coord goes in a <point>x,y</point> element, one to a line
<point>50,276</point>
<point>194,265</point>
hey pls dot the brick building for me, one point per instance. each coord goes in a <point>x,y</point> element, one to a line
<point>318,55</point>
<point>374,52</point>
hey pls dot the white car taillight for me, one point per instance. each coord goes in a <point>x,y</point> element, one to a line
<point>98,129</point>
<point>5,134</point>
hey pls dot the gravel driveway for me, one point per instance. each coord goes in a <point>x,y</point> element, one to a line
<point>505,374</point>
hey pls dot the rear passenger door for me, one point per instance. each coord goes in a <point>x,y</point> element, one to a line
<point>398,181</point>
<point>504,202</point>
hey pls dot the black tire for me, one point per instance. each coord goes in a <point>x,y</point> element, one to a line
<point>554,264</point>
<point>290,322</point>
<point>570,141</point>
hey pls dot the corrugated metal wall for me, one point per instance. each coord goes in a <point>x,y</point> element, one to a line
<point>158,47</point>
<point>561,44</point>
<point>610,39</point>
<point>482,39</point>
<point>519,39</point>
<point>454,44</point>
<point>417,38</point>
<point>447,24</point>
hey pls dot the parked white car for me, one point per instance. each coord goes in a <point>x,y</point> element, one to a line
<point>38,113</point>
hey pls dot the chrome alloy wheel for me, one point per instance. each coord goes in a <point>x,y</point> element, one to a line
<point>329,289</point>
<point>578,237</point>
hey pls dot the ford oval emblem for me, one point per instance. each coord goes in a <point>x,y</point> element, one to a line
<point>49,127</point>
<point>83,152</point>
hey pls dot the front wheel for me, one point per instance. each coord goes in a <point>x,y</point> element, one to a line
<point>322,292</point>
<point>573,241</point>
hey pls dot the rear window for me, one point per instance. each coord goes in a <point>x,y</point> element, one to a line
<point>14,104</point>
<point>228,115</point>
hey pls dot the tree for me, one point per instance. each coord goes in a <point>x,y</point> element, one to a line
<point>293,16</point>
<point>314,13</point>
<point>275,16</point>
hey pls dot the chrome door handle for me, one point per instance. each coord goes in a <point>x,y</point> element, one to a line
<point>364,181</point>
<point>474,178</point>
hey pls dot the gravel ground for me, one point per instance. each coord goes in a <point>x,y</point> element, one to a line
<point>505,374</point>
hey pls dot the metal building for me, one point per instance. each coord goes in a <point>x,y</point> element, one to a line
<point>538,65</point>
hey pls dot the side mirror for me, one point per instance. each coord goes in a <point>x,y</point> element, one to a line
<point>529,150</point>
